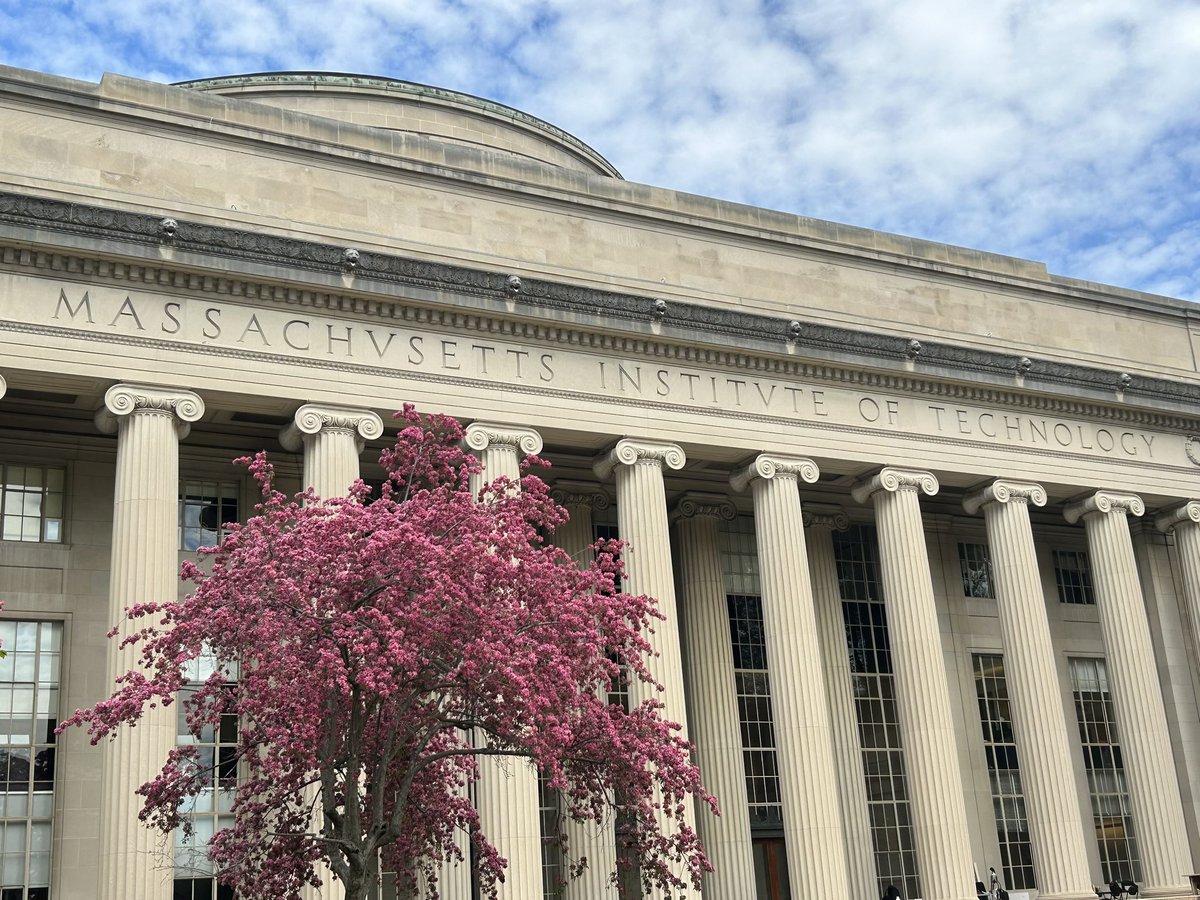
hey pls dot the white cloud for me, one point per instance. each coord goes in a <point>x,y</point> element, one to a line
<point>1066,132</point>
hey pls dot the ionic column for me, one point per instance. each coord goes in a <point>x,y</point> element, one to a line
<point>940,833</point>
<point>1039,720</point>
<point>507,790</point>
<point>1184,520</point>
<point>708,664</point>
<point>642,522</point>
<point>332,438</point>
<point>149,423</point>
<point>3,386</point>
<point>812,820</point>
<point>820,523</point>
<point>1141,718</point>
<point>595,840</point>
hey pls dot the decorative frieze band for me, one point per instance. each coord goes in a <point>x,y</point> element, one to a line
<point>49,216</point>
<point>892,479</point>
<point>312,418</point>
<point>767,465</point>
<point>1002,491</point>
<point>126,399</point>
<point>695,504</point>
<point>1105,502</point>
<point>639,451</point>
<point>482,435</point>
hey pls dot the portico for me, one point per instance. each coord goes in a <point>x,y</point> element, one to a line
<point>907,619</point>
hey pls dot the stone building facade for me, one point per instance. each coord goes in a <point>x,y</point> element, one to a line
<point>924,519</point>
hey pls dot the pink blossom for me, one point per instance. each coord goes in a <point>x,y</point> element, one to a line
<point>372,636</point>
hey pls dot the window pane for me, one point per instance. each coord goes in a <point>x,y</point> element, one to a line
<point>28,681</point>
<point>31,503</point>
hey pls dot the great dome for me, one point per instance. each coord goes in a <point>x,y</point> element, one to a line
<point>420,109</point>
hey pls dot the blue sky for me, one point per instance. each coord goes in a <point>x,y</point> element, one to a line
<point>1063,132</point>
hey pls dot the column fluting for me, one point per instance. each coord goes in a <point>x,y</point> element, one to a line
<point>507,790</point>
<point>940,834</point>
<point>713,704</point>
<point>1184,521</point>
<point>1039,720</point>
<point>821,522</point>
<point>591,839</point>
<point>812,820</point>
<point>331,438</point>
<point>1141,717</point>
<point>149,423</point>
<point>642,523</point>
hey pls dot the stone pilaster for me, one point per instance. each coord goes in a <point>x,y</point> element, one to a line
<point>1039,720</point>
<point>812,820</point>
<point>149,423</point>
<point>1141,718</point>
<point>642,522</point>
<point>942,841</point>
<point>507,790</point>
<point>332,438</point>
<point>820,523</point>
<point>713,707</point>
<point>594,840</point>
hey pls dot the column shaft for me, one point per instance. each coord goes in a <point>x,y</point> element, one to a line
<point>591,839</point>
<point>507,790</point>
<point>1185,520</point>
<point>713,706</point>
<point>1141,718</point>
<point>843,717</point>
<point>942,841</point>
<point>642,522</point>
<point>1039,720</point>
<point>331,438</point>
<point>135,861</point>
<point>812,819</point>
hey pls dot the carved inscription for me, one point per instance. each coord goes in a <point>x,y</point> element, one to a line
<point>313,336</point>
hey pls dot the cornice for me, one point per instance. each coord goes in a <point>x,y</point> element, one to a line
<point>655,327</point>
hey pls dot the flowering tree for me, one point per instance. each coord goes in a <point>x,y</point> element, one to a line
<point>373,637</point>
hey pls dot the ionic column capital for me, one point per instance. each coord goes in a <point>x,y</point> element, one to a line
<point>1104,502</point>
<point>768,465</point>
<point>313,418</point>
<point>695,504</point>
<point>3,386</point>
<point>120,400</point>
<point>1185,514</point>
<point>832,517</point>
<point>1002,491</point>
<point>893,480</point>
<point>574,494</point>
<point>639,451</point>
<point>482,435</point>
